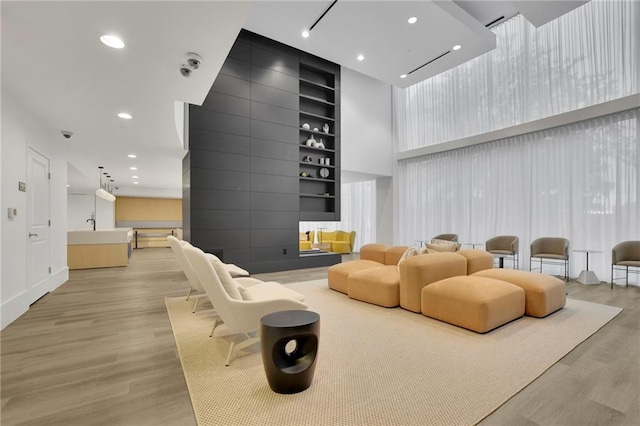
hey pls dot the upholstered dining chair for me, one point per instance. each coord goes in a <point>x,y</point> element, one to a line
<point>504,246</point>
<point>237,315</point>
<point>448,237</point>
<point>550,250</point>
<point>624,256</point>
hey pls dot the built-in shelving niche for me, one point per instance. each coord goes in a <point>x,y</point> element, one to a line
<point>319,107</point>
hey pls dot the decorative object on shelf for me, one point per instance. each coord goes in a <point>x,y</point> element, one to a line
<point>315,129</point>
<point>327,161</point>
<point>321,160</point>
<point>308,159</point>
<point>306,126</point>
<point>320,144</point>
<point>326,194</point>
<point>325,128</point>
<point>311,141</point>
<point>324,173</point>
<point>303,174</point>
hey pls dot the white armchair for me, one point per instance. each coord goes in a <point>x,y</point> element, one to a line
<point>236,315</point>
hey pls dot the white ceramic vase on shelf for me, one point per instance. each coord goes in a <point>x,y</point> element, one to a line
<point>311,141</point>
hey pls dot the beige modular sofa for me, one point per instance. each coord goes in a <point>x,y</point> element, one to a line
<point>460,288</point>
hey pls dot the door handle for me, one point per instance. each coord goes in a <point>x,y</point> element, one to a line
<point>32,235</point>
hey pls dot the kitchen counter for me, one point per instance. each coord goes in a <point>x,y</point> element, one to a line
<point>103,248</point>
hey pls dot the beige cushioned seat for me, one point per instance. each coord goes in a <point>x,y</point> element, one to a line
<point>477,260</point>
<point>476,303</point>
<point>338,274</point>
<point>379,286</point>
<point>544,294</point>
<point>422,270</point>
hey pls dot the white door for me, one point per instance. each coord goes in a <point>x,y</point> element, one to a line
<point>37,225</point>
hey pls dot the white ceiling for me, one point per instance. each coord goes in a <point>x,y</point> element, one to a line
<point>53,63</point>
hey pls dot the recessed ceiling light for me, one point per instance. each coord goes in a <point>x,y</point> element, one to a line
<point>68,185</point>
<point>457,47</point>
<point>305,34</point>
<point>125,115</point>
<point>403,76</point>
<point>412,20</point>
<point>133,168</point>
<point>360,57</point>
<point>134,177</point>
<point>135,183</point>
<point>132,156</point>
<point>112,41</point>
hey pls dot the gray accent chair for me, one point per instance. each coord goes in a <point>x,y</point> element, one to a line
<point>551,251</point>
<point>504,247</point>
<point>623,256</point>
<point>448,237</point>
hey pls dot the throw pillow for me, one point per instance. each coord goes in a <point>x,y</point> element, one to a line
<point>424,250</point>
<point>443,245</point>
<point>411,251</point>
<point>230,285</point>
<point>245,294</point>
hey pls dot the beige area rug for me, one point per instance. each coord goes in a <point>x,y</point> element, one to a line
<point>378,366</point>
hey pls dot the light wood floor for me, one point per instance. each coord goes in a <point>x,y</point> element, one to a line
<point>99,351</point>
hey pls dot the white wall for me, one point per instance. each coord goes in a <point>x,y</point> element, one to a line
<point>367,137</point>
<point>80,207</point>
<point>21,130</point>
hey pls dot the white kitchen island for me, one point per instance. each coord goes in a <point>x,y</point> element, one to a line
<point>104,248</point>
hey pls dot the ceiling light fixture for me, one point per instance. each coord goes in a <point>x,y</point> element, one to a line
<point>132,156</point>
<point>457,47</point>
<point>403,76</point>
<point>104,191</point>
<point>412,20</point>
<point>135,183</point>
<point>125,115</point>
<point>133,168</point>
<point>360,57</point>
<point>134,177</point>
<point>305,34</point>
<point>112,41</point>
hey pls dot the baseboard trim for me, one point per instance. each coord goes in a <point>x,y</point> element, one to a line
<point>13,308</point>
<point>58,278</point>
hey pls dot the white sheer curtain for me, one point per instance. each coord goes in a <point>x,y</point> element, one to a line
<point>586,57</point>
<point>579,181</point>
<point>358,213</point>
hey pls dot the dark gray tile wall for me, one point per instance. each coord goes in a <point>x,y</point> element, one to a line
<point>240,177</point>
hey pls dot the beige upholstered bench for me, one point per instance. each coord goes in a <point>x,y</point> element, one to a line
<point>376,285</point>
<point>476,303</point>
<point>338,274</point>
<point>477,260</point>
<point>544,294</point>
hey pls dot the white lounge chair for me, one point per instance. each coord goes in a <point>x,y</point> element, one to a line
<point>235,314</point>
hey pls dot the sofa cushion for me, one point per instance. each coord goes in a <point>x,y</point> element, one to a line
<point>373,252</point>
<point>376,285</point>
<point>411,251</point>
<point>393,254</point>
<point>338,274</point>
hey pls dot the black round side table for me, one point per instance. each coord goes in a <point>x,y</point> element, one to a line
<point>289,344</point>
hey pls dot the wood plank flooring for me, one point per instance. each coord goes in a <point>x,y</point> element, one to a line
<point>99,351</point>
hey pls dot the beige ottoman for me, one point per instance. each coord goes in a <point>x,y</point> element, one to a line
<point>544,294</point>
<point>477,303</point>
<point>338,273</point>
<point>422,270</point>
<point>379,286</point>
<point>477,260</point>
